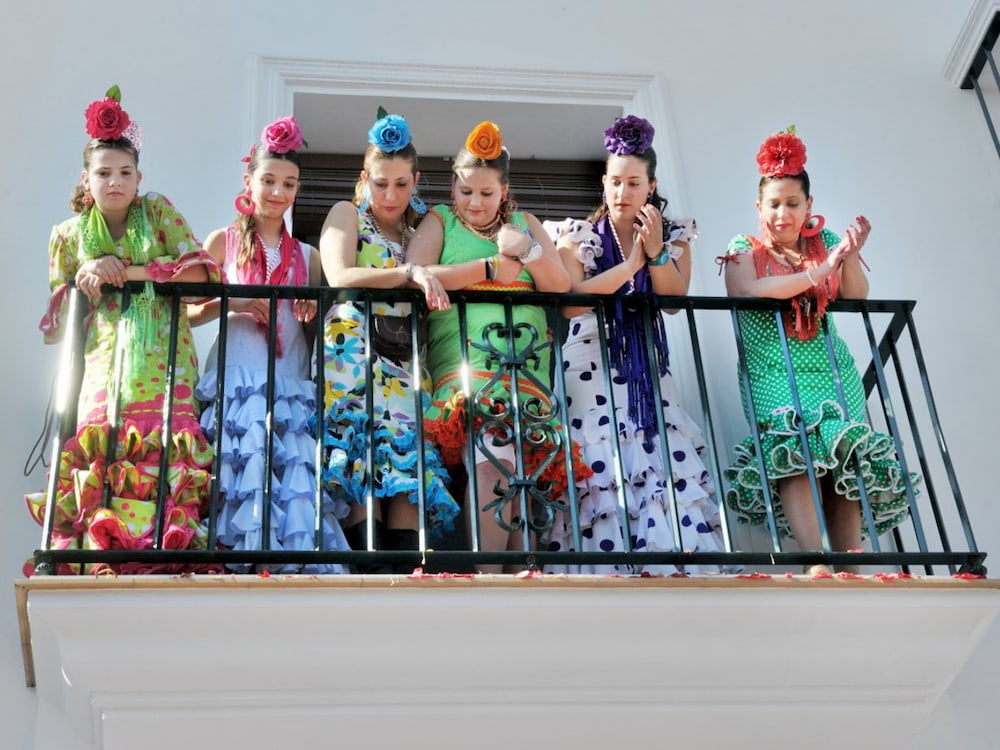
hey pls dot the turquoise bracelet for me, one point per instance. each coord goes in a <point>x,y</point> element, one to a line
<point>662,259</point>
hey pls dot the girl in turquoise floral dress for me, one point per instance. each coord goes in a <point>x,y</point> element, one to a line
<point>363,244</point>
<point>107,496</point>
<point>795,259</point>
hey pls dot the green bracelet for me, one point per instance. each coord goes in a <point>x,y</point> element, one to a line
<point>662,259</point>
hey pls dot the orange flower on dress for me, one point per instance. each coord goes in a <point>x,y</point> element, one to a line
<point>485,141</point>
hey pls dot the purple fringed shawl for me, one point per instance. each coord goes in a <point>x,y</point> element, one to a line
<point>627,350</point>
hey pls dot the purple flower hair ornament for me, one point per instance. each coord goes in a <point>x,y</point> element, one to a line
<point>629,135</point>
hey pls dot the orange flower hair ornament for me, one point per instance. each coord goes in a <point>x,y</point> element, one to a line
<point>782,155</point>
<point>485,141</point>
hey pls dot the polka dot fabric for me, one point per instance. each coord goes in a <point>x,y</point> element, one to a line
<point>645,479</point>
<point>81,520</point>
<point>840,441</point>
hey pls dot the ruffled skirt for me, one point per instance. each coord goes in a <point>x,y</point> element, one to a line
<point>82,520</point>
<point>644,486</point>
<point>293,512</point>
<point>840,447</point>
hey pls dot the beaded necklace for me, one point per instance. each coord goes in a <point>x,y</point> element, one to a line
<point>389,243</point>
<point>380,233</point>
<point>621,251</point>
<point>271,255</point>
<point>789,258</point>
<point>488,232</point>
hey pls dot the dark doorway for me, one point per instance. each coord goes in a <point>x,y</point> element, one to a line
<point>547,188</point>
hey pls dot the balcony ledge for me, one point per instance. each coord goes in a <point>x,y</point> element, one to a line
<point>492,661</point>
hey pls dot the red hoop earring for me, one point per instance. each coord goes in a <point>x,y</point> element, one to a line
<point>88,199</point>
<point>814,223</point>
<point>244,204</point>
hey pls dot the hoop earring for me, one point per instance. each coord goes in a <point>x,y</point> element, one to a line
<point>88,199</point>
<point>417,203</point>
<point>814,223</point>
<point>366,201</point>
<point>137,200</point>
<point>244,204</point>
<point>507,207</point>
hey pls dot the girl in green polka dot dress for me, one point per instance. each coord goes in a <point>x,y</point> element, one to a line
<point>795,259</point>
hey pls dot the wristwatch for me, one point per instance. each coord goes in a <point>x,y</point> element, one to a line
<point>532,252</point>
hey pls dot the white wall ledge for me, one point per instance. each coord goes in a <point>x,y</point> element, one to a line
<point>244,662</point>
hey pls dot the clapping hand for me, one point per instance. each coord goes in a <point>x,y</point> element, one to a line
<point>850,245</point>
<point>648,227</point>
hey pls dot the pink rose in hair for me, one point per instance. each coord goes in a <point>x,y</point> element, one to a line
<point>282,135</point>
<point>106,120</point>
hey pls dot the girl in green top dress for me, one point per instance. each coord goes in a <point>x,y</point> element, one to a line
<point>480,243</point>
<point>796,260</point>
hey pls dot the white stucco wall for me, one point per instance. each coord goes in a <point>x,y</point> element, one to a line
<point>888,136</point>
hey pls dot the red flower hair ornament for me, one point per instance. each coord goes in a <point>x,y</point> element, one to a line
<point>107,121</point>
<point>782,155</point>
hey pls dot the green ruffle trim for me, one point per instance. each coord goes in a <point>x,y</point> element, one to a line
<point>840,448</point>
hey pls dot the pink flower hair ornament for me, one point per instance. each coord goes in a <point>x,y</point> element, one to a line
<point>282,135</point>
<point>629,135</point>
<point>782,155</point>
<point>107,121</point>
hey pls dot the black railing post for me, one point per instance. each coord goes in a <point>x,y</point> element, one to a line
<point>709,423</point>
<point>747,386</point>
<point>218,418</point>
<point>163,491</point>
<point>68,381</point>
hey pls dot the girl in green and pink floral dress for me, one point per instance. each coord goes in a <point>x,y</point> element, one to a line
<point>107,499</point>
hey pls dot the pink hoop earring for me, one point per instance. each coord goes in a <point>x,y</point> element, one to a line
<point>814,223</point>
<point>244,204</point>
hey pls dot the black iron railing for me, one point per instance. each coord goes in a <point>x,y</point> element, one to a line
<point>982,58</point>
<point>899,401</point>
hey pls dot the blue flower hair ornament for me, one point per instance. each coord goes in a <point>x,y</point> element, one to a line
<point>390,133</point>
